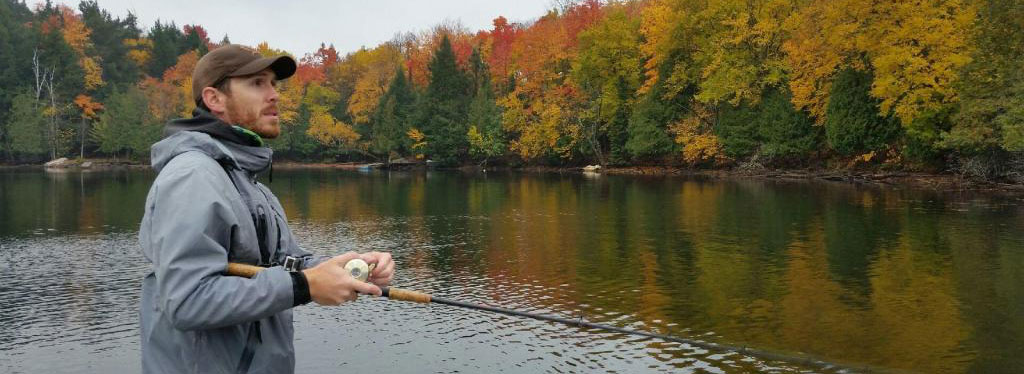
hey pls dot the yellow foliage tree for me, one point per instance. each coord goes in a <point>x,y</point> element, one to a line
<point>699,143</point>
<point>915,50</point>
<point>140,50</point>
<point>329,131</point>
<point>377,68</point>
<point>741,52</point>
<point>76,34</point>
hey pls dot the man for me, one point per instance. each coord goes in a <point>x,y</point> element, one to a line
<point>206,209</point>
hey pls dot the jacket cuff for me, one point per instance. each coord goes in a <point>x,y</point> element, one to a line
<point>300,289</point>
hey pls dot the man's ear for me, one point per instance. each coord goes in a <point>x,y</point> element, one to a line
<point>215,100</point>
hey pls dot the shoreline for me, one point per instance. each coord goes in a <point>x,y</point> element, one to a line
<point>920,180</point>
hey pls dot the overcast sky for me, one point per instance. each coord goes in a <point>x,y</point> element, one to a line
<point>300,26</point>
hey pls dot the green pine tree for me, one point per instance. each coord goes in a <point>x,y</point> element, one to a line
<point>108,35</point>
<point>391,119</point>
<point>16,42</point>
<point>486,137</point>
<point>785,131</point>
<point>852,121</point>
<point>27,128</point>
<point>168,44</point>
<point>442,110</point>
<point>125,127</point>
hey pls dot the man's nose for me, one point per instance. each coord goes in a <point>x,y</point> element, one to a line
<point>273,94</point>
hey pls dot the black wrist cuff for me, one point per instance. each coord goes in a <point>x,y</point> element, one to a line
<point>300,289</point>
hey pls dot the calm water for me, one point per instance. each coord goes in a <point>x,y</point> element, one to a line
<point>861,276</point>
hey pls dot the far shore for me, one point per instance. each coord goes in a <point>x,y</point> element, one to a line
<point>931,181</point>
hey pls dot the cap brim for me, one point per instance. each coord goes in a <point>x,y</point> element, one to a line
<point>282,66</point>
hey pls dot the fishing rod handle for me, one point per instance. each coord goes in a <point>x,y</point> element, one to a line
<point>243,270</point>
<point>357,268</point>
<point>404,295</point>
<point>249,271</point>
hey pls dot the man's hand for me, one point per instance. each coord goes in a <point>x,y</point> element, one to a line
<point>381,275</point>
<point>331,284</point>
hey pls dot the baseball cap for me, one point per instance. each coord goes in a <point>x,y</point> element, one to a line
<point>235,60</point>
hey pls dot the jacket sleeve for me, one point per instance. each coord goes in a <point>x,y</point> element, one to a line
<point>190,223</point>
<point>289,246</point>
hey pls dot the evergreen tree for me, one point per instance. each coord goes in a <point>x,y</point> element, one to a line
<point>647,129</point>
<point>16,42</point>
<point>108,35</point>
<point>27,128</point>
<point>294,141</point>
<point>391,118</point>
<point>785,131</point>
<point>126,126</point>
<point>485,136</point>
<point>168,44</point>
<point>852,120</point>
<point>737,129</point>
<point>771,128</point>
<point>442,108</point>
<point>195,39</point>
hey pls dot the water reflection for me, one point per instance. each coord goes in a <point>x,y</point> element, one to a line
<point>922,281</point>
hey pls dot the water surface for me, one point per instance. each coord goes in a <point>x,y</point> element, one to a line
<point>865,277</point>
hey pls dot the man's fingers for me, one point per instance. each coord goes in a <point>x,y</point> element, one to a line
<point>343,259</point>
<point>366,288</point>
<point>385,271</point>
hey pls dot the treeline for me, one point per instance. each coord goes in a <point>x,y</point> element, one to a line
<point>935,85</point>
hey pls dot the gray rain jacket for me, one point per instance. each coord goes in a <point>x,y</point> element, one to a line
<point>193,318</point>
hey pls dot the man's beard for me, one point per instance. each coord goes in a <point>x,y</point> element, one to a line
<point>251,119</point>
<point>240,116</point>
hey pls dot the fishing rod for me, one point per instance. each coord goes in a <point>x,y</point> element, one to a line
<point>360,270</point>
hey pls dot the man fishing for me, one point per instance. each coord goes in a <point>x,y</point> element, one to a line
<point>206,209</point>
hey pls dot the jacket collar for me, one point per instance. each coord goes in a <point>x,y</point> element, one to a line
<point>238,147</point>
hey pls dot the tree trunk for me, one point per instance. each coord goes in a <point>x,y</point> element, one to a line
<point>81,140</point>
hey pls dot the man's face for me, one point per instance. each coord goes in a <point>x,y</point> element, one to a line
<point>252,104</point>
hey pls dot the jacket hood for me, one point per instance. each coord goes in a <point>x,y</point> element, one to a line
<point>231,145</point>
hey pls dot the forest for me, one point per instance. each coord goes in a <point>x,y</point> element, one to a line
<point>933,86</point>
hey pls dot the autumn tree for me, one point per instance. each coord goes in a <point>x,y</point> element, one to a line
<point>608,70</point>
<point>196,39</point>
<point>59,72</point>
<point>325,127</point>
<point>914,49</point>
<point>541,113</point>
<point>991,110</point>
<point>379,65</point>
<point>109,36</point>
<point>499,58</point>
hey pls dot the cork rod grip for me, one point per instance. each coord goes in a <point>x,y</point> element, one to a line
<point>405,295</point>
<point>243,270</point>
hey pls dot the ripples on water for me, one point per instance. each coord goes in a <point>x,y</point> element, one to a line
<point>438,338</point>
<point>877,277</point>
<point>69,303</point>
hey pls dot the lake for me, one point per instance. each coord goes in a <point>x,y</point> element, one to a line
<point>866,277</point>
